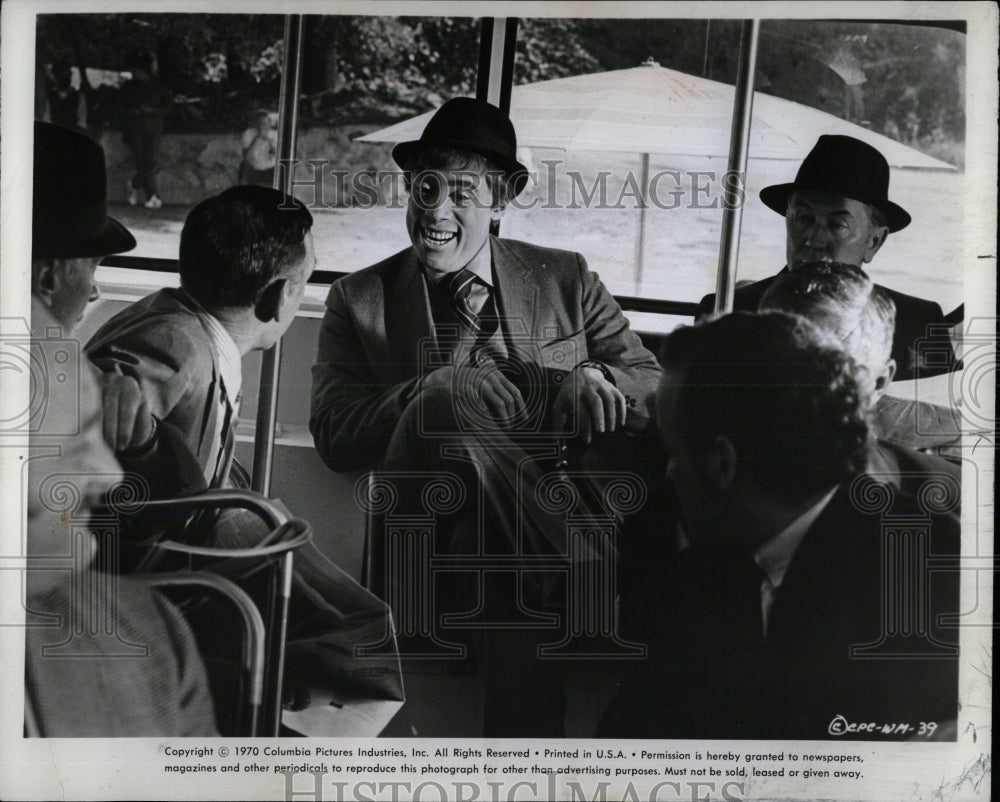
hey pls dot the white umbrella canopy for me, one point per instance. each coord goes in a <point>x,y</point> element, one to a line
<point>652,109</point>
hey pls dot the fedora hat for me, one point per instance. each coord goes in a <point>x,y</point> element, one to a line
<point>464,123</point>
<point>846,168</point>
<point>70,198</point>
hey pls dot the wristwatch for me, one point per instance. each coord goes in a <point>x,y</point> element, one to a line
<point>605,371</point>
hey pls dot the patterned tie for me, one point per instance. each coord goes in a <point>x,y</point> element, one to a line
<point>459,285</point>
<point>224,461</point>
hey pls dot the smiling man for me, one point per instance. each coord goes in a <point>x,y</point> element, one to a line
<point>838,210</point>
<point>472,357</point>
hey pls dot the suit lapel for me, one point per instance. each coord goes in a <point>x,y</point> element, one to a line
<point>819,579</point>
<point>516,296</point>
<point>408,319</point>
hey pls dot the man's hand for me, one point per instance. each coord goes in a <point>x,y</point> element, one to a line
<point>128,423</point>
<point>595,403</point>
<point>486,389</point>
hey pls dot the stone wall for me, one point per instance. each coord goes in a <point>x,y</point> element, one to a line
<point>194,166</point>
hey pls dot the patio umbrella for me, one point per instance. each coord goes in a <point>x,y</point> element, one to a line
<point>652,109</point>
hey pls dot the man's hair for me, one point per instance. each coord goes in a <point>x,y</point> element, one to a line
<point>237,242</point>
<point>779,389</point>
<point>443,159</point>
<point>843,300</point>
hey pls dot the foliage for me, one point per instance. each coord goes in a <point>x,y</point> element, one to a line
<point>902,80</point>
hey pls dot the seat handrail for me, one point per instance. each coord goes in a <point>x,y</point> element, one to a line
<point>222,498</point>
<point>289,536</point>
<point>254,635</point>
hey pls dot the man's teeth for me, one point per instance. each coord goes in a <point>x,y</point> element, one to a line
<point>439,237</point>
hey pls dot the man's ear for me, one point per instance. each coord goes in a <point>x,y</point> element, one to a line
<point>271,302</point>
<point>720,464</point>
<point>879,236</point>
<point>45,279</point>
<point>883,380</point>
<point>497,212</point>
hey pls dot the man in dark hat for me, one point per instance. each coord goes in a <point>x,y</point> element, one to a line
<point>838,209</point>
<point>142,675</point>
<point>467,357</point>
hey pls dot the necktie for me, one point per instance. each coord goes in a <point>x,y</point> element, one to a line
<point>225,458</point>
<point>459,285</point>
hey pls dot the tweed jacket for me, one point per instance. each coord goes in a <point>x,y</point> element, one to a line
<point>378,327</point>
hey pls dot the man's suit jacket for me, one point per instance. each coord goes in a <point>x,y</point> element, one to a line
<point>161,342</point>
<point>703,680</point>
<point>75,692</point>
<point>160,692</point>
<point>913,316</point>
<point>554,314</point>
<point>910,470</point>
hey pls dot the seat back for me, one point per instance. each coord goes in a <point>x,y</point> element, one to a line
<point>234,657</point>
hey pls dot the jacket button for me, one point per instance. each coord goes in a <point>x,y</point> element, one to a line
<point>558,376</point>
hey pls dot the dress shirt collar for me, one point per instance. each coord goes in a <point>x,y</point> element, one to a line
<point>481,264</point>
<point>775,555</point>
<point>226,350</point>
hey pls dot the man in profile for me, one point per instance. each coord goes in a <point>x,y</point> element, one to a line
<point>778,613</point>
<point>838,210</point>
<point>138,672</point>
<point>245,258</point>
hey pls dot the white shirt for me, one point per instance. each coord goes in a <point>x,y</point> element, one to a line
<point>775,555</point>
<point>230,369</point>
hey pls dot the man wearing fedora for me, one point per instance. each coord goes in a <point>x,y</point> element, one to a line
<point>139,673</point>
<point>838,209</point>
<point>470,356</point>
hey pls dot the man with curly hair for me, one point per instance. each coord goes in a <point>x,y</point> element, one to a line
<point>769,617</point>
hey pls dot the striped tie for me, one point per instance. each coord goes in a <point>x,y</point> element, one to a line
<point>459,285</point>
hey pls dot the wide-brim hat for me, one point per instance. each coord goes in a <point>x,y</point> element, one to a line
<point>844,167</point>
<point>70,198</point>
<point>464,123</point>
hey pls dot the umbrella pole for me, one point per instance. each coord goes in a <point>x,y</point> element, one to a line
<point>640,241</point>
<point>739,146</point>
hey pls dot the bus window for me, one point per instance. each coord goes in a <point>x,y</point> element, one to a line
<point>637,114</point>
<point>184,106</point>
<point>359,75</point>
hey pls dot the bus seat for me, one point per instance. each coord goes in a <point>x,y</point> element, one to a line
<point>237,685</point>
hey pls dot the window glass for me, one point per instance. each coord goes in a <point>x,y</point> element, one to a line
<point>183,104</point>
<point>647,102</point>
<point>361,75</point>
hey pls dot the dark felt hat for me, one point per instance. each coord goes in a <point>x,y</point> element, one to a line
<point>846,168</point>
<point>464,123</point>
<point>70,198</point>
